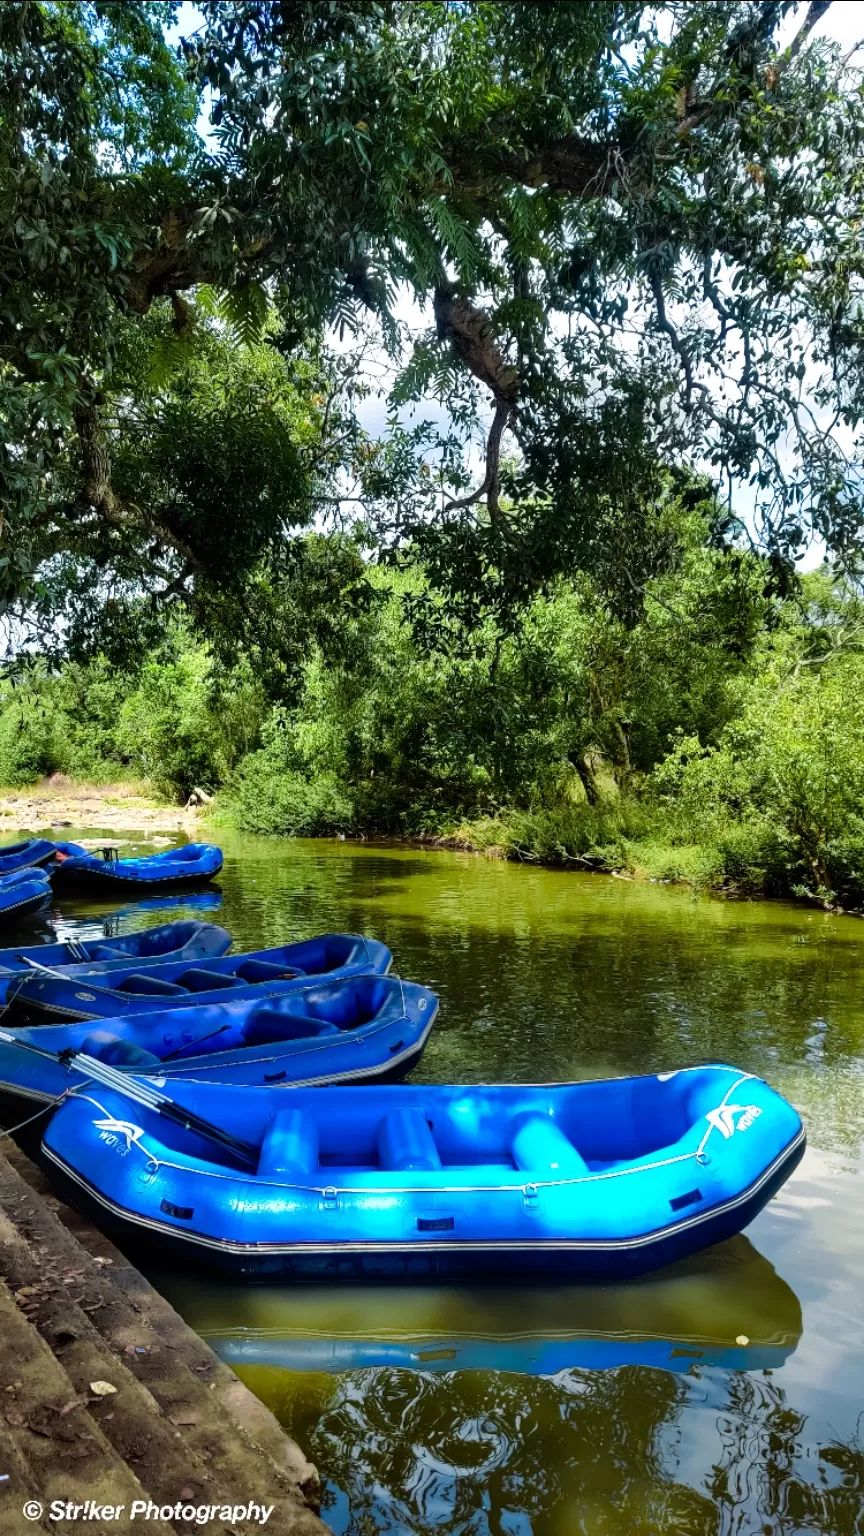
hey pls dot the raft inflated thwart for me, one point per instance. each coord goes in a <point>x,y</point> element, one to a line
<point>195,862</point>
<point>172,982</point>
<point>600,1178</point>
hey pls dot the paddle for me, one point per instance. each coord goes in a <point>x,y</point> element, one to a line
<point>91,986</point>
<point>140,1092</point>
<point>187,1044</point>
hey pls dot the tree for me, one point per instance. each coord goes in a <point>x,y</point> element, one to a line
<point>215,449</point>
<point>637,228</point>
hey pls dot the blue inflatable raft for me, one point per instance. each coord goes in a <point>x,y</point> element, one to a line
<point>130,988</point>
<point>584,1179</point>
<point>25,855</point>
<point>191,864</point>
<point>22,893</point>
<point>183,942</point>
<point>359,1029</point>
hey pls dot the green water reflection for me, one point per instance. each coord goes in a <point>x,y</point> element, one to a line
<point>520,1412</point>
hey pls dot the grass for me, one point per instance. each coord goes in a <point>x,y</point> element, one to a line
<point>642,838</point>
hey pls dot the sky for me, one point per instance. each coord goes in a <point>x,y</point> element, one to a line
<point>844,22</point>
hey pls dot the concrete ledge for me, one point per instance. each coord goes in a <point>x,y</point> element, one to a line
<point>179,1425</point>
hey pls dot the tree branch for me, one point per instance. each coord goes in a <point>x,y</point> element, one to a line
<point>470,331</point>
<point>491,482</point>
<point>815,11</point>
<point>580,166</point>
<point>96,491</point>
<point>177,587</point>
<point>665,325</point>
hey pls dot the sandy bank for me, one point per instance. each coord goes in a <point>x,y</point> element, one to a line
<point>59,804</point>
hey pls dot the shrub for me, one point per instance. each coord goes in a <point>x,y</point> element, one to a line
<point>28,738</point>
<point>783,789</point>
<point>265,799</point>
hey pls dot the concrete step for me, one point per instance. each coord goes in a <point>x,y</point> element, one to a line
<point>59,1448</point>
<point>19,1483</point>
<point>180,1417</point>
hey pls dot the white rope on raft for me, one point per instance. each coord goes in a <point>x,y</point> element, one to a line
<point>140,1092</point>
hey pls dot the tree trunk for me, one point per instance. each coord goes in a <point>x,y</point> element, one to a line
<point>585,769</point>
<point>622,753</point>
<point>96,488</point>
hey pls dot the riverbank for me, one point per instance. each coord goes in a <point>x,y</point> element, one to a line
<point>626,838</point>
<point>109,1396</point>
<point>615,840</point>
<point>626,841</point>
<point>59,803</point>
<point>746,865</point>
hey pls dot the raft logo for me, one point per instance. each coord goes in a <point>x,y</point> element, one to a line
<point>723,1119</point>
<point>110,1131</point>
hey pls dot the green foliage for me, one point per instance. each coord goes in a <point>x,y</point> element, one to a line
<point>581,835</point>
<point>220,449</point>
<point>573,741</point>
<point>92,102</point>
<point>215,455</point>
<point>273,799</point>
<point>167,727</point>
<point>638,227</point>
<point>719,741</point>
<point>28,747</point>
<point>572,707</point>
<point>177,721</point>
<point>785,778</point>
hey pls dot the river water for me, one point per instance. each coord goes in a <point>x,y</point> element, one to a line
<point>722,1395</point>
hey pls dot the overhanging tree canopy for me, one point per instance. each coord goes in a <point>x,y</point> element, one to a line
<point>637,228</point>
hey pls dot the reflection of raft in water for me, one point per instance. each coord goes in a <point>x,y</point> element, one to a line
<point>691,1315</point>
